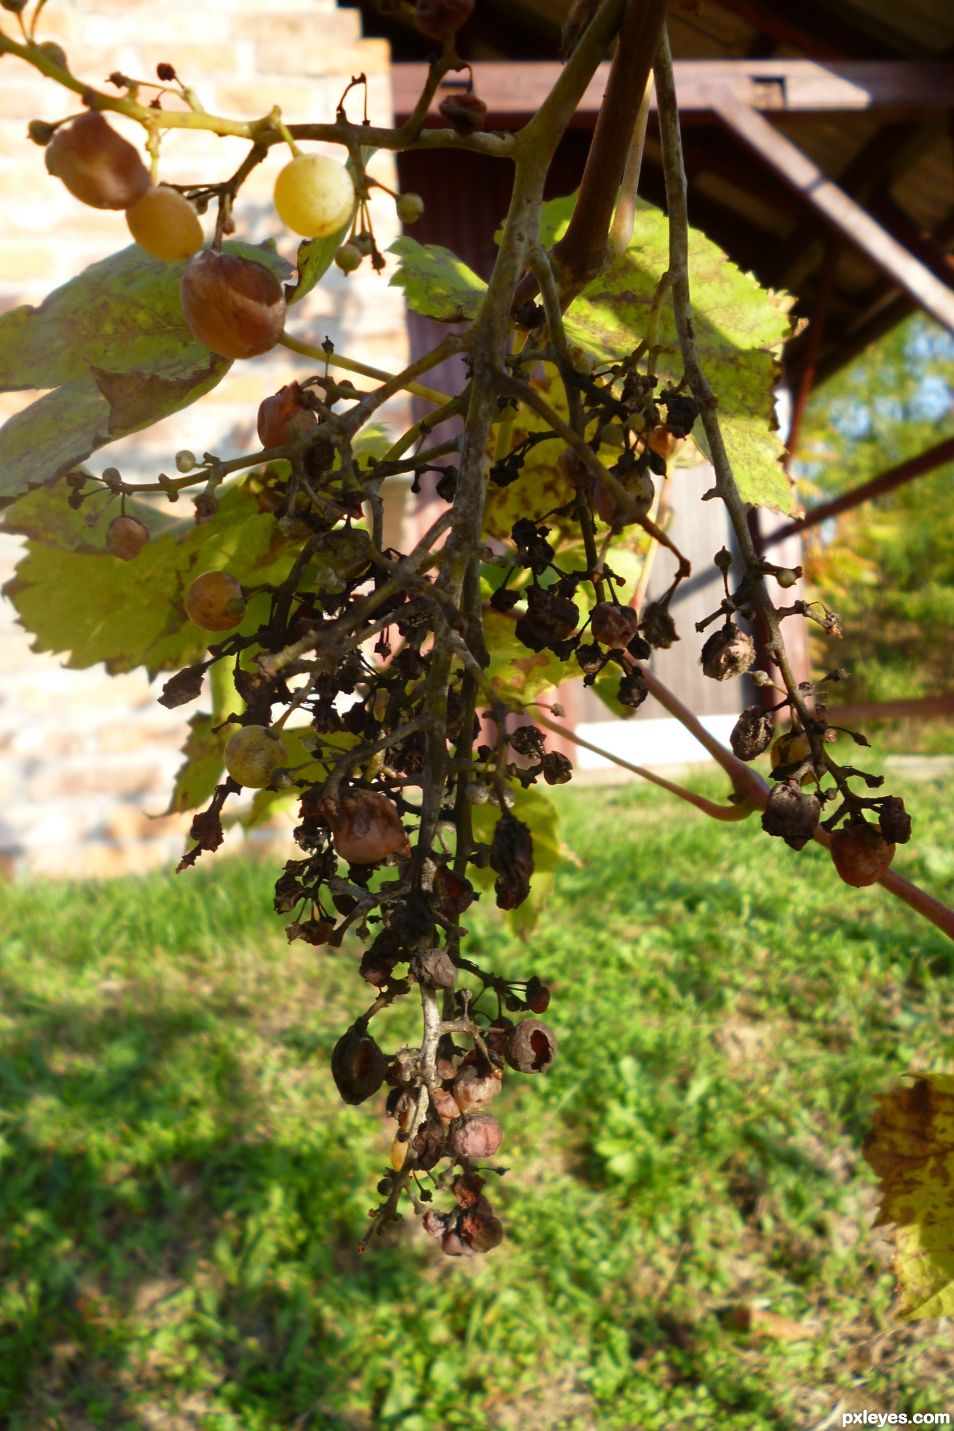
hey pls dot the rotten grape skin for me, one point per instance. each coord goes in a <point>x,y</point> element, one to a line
<point>126,537</point>
<point>215,601</point>
<point>860,854</point>
<point>314,195</point>
<point>97,165</point>
<point>165,224</point>
<point>283,417</point>
<point>234,306</point>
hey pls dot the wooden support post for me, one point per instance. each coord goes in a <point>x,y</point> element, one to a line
<point>839,210</point>
<point>816,335</point>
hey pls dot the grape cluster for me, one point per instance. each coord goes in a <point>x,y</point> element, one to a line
<point>346,647</point>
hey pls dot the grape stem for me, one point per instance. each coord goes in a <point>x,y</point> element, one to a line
<point>395,382</point>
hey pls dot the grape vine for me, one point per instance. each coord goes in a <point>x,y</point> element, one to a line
<point>397,695</point>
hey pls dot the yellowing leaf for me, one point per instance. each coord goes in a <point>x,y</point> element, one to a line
<point>515,672</point>
<point>542,817</point>
<point>739,329</point>
<point>436,283</point>
<point>203,764</point>
<point>98,608</point>
<point>911,1148</point>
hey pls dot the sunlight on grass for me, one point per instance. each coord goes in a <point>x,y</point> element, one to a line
<point>183,1192</point>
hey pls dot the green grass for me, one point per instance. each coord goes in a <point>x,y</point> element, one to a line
<point>182,1192</point>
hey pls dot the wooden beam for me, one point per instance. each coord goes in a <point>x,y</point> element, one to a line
<point>879,158</point>
<point>808,27</point>
<point>839,210</point>
<point>784,85</point>
<point>866,491</point>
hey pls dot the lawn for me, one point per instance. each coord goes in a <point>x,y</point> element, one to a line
<point>182,1192</point>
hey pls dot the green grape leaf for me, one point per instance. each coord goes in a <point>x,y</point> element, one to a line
<point>203,764</point>
<point>93,607</point>
<point>113,346</point>
<point>138,399</point>
<point>315,257</point>
<point>739,329</point>
<point>45,515</point>
<point>516,673</point>
<point>911,1148</point>
<point>51,436</point>
<point>374,440</point>
<point>436,283</point>
<point>542,817</point>
<point>265,805</point>
<point>121,314</point>
<point>541,485</point>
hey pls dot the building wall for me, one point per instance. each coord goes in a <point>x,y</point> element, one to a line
<point>87,761</point>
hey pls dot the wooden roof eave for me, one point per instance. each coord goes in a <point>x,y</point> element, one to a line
<point>791,86</point>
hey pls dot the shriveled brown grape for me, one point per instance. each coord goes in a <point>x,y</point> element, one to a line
<point>97,165</point>
<point>232,305</point>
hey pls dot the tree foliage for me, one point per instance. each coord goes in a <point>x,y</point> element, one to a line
<point>887,567</point>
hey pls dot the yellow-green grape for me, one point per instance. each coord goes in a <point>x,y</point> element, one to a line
<point>253,754</point>
<point>314,195</point>
<point>791,748</point>
<point>165,224</point>
<point>410,207</point>
<point>348,257</point>
<point>215,601</point>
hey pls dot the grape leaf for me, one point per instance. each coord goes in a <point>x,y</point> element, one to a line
<point>315,257</point>
<point>45,515</point>
<point>51,436</point>
<point>114,347</point>
<point>541,485</point>
<point>202,765</point>
<point>122,314</point>
<point>911,1148</point>
<point>60,430</point>
<point>739,329</point>
<point>516,673</point>
<point>131,613</point>
<point>436,283</point>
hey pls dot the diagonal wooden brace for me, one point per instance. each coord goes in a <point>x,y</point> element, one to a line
<point>837,208</point>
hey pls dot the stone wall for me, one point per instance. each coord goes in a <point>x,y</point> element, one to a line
<point>87,760</point>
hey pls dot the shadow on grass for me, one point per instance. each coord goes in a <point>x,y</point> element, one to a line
<point>162,1238</point>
